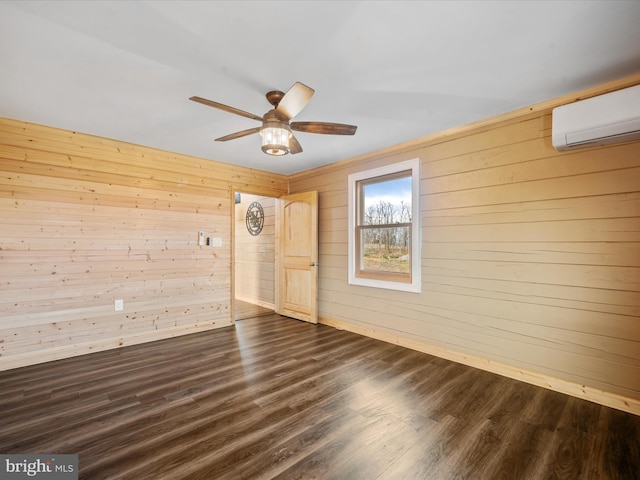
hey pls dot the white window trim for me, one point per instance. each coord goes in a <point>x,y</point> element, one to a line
<point>416,243</point>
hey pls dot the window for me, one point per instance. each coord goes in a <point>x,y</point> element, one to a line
<point>384,227</point>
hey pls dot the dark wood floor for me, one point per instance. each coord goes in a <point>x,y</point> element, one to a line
<point>278,398</point>
<point>244,310</point>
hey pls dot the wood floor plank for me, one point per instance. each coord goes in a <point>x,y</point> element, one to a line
<point>622,447</point>
<point>275,398</point>
<point>244,310</point>
<point>427,458</point>
<point>520,454</point>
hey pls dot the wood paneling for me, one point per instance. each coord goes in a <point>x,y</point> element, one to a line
<point>530,257</point>
<point>255,255</point>
<point>86,220</point>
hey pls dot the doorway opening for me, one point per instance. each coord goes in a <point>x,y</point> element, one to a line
<point>254,254</point>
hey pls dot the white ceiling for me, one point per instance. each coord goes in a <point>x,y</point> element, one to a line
<point>399,70</point>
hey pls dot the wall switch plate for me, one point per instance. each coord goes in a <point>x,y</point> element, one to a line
<point>217,242</point>
<point>119,305</point>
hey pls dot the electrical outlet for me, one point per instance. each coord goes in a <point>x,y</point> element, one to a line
<point>119,305</point>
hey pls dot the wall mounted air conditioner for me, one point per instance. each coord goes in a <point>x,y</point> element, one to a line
<point>610,118</point>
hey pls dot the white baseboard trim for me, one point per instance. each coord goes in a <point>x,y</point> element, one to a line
<point>591,394</point>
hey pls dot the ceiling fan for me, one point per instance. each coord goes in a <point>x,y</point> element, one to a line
<point>277,138</point>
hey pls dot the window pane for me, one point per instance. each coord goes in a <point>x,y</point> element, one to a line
<point>387,202</point>
<point>385,249</point>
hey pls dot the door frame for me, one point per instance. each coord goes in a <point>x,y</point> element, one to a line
<point>232,198</point>
<point>233,189</point>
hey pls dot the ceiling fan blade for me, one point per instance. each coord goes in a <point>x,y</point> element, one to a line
<point>226,108</point>
<point>243,133</point>
<point>294,145</point>
<point>294,101</point>
<point>324,128</point>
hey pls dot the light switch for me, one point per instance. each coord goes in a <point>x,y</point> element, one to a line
<point>217,242</point>
<point>119,305</point>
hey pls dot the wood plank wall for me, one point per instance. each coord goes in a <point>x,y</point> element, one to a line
<point>255,256</point>
<point>530,257</point>
<point>85,221</point>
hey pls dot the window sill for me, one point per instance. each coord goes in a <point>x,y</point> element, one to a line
<point>387,285</point>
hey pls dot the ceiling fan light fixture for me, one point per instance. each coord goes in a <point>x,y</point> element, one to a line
<point>275,139</point>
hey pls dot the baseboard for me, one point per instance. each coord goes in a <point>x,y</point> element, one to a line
<point>68,351</point>
<point>601,397</point>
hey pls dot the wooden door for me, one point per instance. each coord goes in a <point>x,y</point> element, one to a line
<point>297,256</point>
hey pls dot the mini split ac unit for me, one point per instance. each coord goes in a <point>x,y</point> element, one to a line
<point>610,118</point>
